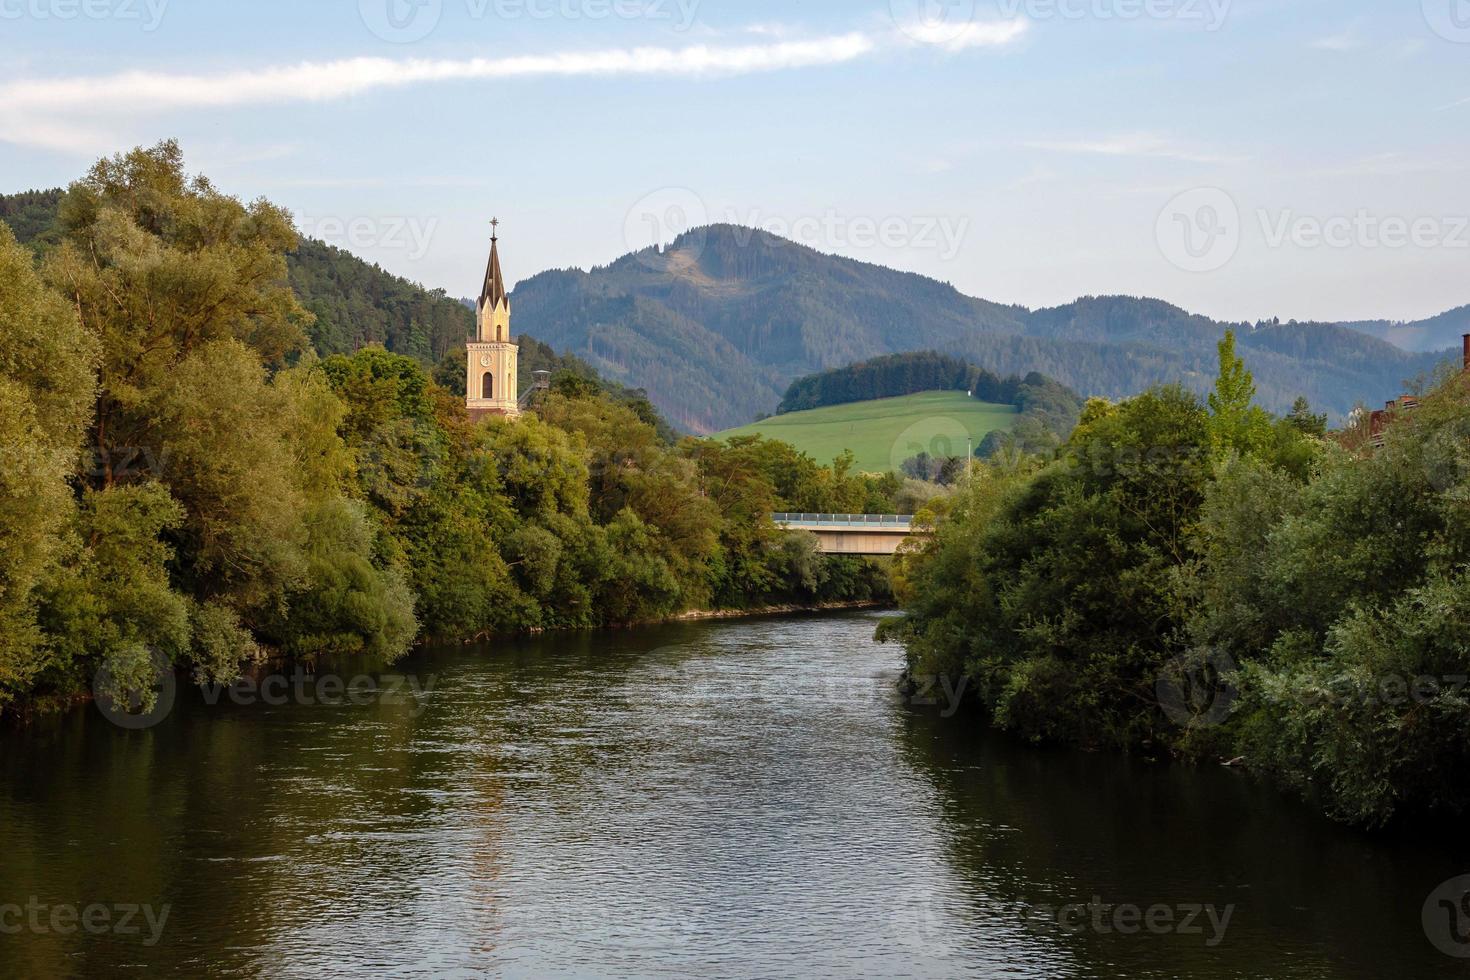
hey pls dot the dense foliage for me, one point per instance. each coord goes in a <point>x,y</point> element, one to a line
<point>191,482</point>
<point>357,305</point>
<point>1213,581</point>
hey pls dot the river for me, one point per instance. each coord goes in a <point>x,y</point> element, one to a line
<point>736,798</point>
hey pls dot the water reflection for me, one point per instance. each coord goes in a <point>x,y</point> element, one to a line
<point>746,798</point>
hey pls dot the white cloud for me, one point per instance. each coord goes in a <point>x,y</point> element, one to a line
<point>68,113</point>
<point>1338,42</point>
<point>324,81</point>
<point>81,114</point>
<point>1348,39</point>
<point>962,37</point>
<point>1132,145</point>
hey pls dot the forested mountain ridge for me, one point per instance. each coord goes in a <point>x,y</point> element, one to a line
<point>719,323</point>
<point>716,326</point>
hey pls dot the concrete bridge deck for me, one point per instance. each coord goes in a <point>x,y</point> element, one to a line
<point>852,534</point>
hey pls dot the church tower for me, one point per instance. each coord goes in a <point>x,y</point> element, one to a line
<point>491,385</point>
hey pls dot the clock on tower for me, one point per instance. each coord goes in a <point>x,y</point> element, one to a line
<point>490,384</point>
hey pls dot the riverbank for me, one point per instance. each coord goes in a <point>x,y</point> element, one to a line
<point>696,615</point>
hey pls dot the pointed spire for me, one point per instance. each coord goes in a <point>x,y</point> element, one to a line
<point>493,292</point>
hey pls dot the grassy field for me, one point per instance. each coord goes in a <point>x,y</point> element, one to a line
<point>884,433</point>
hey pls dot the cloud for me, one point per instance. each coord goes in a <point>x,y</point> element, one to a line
<point>1348,39</point>
<point>72,114</point>
<point>1135,145</point>
<point>329,80</point>
<point>62,113</point>
<point>962,37</point>
<point>1338,42</point>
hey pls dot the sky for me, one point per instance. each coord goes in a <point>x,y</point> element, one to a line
<point>1243,159</point>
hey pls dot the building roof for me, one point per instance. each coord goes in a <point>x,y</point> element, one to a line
<point>493,293</point>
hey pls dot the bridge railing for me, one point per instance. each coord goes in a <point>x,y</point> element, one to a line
<point>874,521</point>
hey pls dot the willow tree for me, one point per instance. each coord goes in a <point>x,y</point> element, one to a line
<point>47,386</point>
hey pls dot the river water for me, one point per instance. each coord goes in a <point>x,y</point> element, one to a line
<point>741,798</point>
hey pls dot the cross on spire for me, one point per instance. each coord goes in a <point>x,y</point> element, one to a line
<point>493,293</point>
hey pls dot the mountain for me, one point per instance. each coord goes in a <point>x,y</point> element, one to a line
<point>1435,333</point>
<point>716,326</point>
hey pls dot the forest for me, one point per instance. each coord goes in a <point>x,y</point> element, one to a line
<point>193,482</point>
<point>1048,410</point>
<point>1204,580</point>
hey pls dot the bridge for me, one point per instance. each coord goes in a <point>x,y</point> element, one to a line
<point>852,534</point>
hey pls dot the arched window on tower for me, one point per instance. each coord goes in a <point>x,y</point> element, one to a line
<point>487,386</point>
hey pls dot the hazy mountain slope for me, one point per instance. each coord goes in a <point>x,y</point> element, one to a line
<point>1436,333</point>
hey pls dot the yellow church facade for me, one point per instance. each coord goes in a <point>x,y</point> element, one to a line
<point>491,385</point>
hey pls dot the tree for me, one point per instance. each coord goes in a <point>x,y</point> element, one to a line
<point>47,387</point>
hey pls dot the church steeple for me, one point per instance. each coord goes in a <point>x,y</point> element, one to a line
<point>490,381</point>
<point>493,293</point>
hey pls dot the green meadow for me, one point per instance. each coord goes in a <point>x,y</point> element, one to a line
<point>884,433</point>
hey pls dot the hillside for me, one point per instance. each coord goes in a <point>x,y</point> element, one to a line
<point>357,304</point>
<point>1435,333</point>
<point>882,434</point>
<point>719,323</point>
